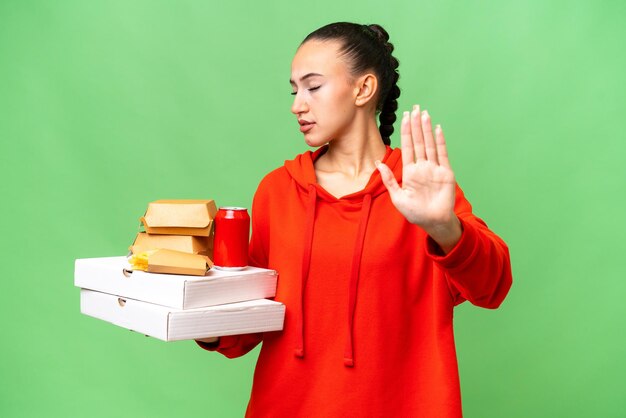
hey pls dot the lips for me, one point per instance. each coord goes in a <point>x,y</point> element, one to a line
<point>305,125</point>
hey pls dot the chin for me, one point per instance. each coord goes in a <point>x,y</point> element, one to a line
<point>315,142</point>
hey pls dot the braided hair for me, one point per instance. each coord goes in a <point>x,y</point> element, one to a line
<point>367,47</point>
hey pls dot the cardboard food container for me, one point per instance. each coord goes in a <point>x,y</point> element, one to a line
<point>114,275</point>
<point>185,243</point>
<point>178,262</point>
<point>180,217</point>
<point>169,324</point>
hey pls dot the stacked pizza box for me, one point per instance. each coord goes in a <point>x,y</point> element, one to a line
<point>174,294</point>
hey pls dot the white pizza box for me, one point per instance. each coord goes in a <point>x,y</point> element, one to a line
<point>113,275</point>
<point>167,324</point>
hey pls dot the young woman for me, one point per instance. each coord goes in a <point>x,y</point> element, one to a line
<point>374,247</point>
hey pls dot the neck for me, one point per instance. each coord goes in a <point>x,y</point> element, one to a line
<point>355,153</point>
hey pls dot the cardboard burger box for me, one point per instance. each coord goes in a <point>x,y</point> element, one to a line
<point>170,324</point>
<point>181,231</point>
<point>113,275</point>
<point>171,262</point>
<point>185,243</point>
<point>180,217</point>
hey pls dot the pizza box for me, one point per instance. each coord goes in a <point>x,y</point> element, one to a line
<point>170,324</point>
<point>113,275</point>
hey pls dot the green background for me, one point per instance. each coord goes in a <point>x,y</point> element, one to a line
<point>107,105</point>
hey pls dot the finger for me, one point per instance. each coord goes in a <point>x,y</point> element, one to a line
<point>418,137</point>
<point>429,140</point>
<point>442,149</point>
<point>388,178</point>
<point>406,141</point>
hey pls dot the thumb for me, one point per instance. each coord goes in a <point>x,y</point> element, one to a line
<point>388,178</point>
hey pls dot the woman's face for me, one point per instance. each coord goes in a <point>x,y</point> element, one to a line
<point>324,92</point>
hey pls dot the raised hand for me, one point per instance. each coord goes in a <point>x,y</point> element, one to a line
<point>426,197</point>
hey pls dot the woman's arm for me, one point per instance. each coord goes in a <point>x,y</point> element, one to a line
<point>478,267</point>
<point>474,260</point>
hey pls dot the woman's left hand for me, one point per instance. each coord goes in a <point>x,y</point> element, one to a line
<point>426,197</point>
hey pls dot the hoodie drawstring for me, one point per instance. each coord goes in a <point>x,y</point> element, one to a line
<point>348,359</point>
<point>306,263</point>
<point>348,356</point>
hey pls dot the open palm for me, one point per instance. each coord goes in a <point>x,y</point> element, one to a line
<point>426,197</point>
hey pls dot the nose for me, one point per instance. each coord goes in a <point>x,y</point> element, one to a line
<point>299,104</point>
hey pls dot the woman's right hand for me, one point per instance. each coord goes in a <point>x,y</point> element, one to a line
<point>427,195</point>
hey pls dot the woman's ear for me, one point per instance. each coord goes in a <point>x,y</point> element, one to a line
<point>366,87</point>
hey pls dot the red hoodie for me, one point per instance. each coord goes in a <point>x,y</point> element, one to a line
<point>369,297</point>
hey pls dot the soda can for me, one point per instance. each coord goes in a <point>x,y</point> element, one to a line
<point>232,232</point>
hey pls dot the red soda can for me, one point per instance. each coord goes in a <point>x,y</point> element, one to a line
<point>232,232</point>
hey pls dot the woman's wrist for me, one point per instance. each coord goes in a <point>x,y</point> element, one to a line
<point>447,235</point>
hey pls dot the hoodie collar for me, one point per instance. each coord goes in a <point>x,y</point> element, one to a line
<point>302,170</point>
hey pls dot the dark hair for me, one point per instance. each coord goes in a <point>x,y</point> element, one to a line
<point>367,47</point>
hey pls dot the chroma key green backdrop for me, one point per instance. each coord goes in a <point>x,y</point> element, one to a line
<point>108,105</point>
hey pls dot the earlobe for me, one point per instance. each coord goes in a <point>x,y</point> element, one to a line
<point>367,86</point>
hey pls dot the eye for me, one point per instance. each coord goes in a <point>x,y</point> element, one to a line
<point>293,93</point>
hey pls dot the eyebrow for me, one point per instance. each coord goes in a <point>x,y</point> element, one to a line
<point>309,75</point>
